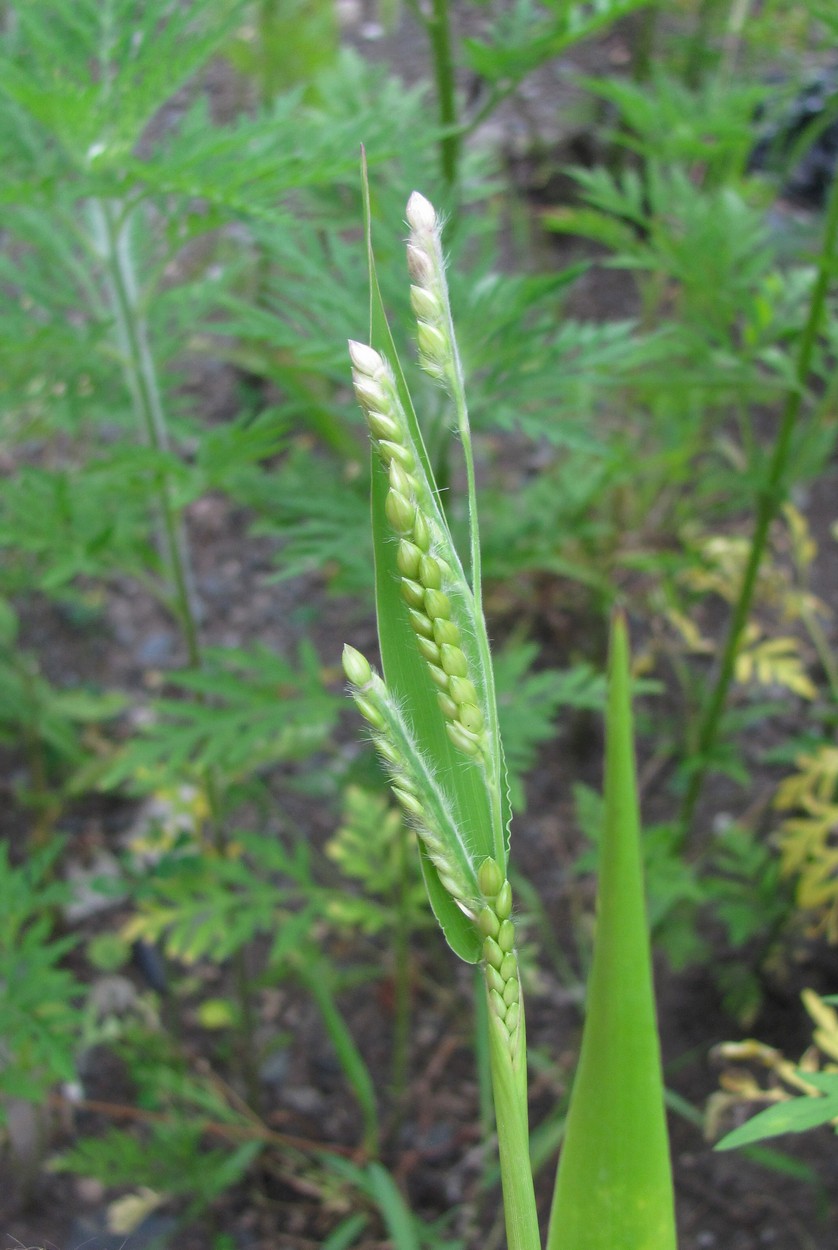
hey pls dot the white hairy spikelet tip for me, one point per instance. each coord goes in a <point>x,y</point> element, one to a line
<point>420,213</point>
<point>366,359</point>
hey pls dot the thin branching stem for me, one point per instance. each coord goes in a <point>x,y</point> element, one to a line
<point>769,501</point>
<point>439,30</point>
<point>437,23</point>
<point>112,238</point>
<point>112,242</point>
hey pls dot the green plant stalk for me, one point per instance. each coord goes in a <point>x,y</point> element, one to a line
<point>401,977</point>
<point>643,48</point>
<point>44,801</point>
<point>315,976</point>
<point>112,243</point>
<point>617,1160</point>
<point>437,23</point>
<point>614,1184</point>
<point>769,500</point>
<point>482,1067</point>
<point>508,1069</point>
<point>439,29</point>
<point>697,48</point>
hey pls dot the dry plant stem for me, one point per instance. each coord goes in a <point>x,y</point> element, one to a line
<point>769,500</point>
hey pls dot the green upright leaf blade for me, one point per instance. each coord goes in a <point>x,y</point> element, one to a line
<point>404,672</point>
<point>614,1186</point>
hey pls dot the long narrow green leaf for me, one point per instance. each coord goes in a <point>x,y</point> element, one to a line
<point>614,1185</point>
<point>352,1062</point>
<point>397,1217</point>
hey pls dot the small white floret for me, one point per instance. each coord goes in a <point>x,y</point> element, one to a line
<point>420,213</point>
<point>366,359</point>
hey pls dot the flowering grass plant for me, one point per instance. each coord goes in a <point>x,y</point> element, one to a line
<point>433,720</point>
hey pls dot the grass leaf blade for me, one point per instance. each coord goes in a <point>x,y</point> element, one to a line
<point>614,1185</point>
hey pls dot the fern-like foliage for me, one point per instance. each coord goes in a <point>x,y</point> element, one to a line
<point>95,74</point>
<point>528,33</point>
<point>373,846</point>
<point>528,702</point>
<point>189,1140</point>
<point>46,722</point>
<point>769,655</point>
<point>199,906</point>
<point>41,1016</point>
<point>246,709</point>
